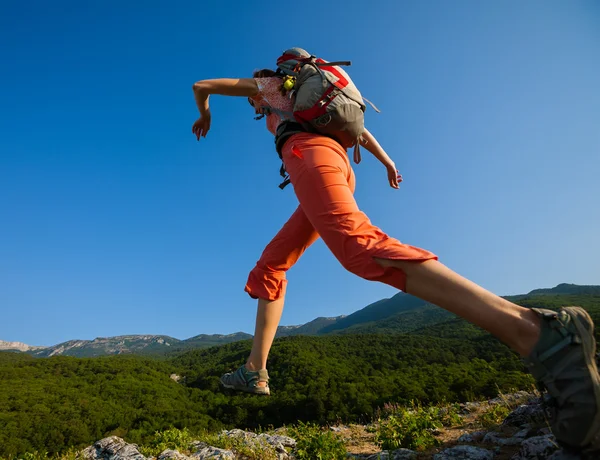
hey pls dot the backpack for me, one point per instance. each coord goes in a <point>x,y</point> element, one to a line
<point>326,100</point>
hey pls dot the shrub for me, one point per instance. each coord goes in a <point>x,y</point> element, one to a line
<point>316,443</point>
<point>493,416</point>
<point>409,428</point>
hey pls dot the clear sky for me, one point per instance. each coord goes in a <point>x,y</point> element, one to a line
<point>115,220</point>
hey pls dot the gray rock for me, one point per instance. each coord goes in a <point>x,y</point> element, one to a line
<point>398,454</point>
<point>197,445</point>
<point>499,440</point>
<point>239,434</point>
<point>537,448</point>
<point>524,432</point>
<point>525,414</point>
<point>277,440</point>
<point>464,453</point>
<point>213,453</point>
<point>172,455</point>
<point>564,455</point>
<point>472,406</point>
<point>403,454</point>
<point>518,396</point>
<point>476,436</point>
<point>112,448</point>
<point>273,441</point>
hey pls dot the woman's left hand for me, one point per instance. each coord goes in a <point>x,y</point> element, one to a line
<point>394,177</point>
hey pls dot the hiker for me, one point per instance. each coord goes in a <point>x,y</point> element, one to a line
<point>557,347</point>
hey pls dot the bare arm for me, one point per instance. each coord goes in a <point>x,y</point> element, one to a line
<point>370,143</point>
<point>224,86</point>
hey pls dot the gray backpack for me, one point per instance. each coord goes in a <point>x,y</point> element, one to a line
<point>326,101</point>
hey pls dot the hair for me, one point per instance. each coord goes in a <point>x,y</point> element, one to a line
<point>265,73</point>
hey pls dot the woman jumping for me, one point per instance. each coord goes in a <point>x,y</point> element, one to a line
<point>558,347</point>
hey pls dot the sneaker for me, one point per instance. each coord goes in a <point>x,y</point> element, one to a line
<point>244,380</point>
<point>564,363</point>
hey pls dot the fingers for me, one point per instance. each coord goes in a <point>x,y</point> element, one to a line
<point>394,179</point>
<point>201,128</point>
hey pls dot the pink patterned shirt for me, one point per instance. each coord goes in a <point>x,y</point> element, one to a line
<point>269,94</point>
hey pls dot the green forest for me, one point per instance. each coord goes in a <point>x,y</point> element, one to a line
<point>51,404</point>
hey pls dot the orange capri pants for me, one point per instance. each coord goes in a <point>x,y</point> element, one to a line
<point>324,182</point>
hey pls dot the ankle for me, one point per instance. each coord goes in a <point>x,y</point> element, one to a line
<point>250,366</point>
<point>528,332</point>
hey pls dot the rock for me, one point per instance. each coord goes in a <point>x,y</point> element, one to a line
<point>564,455</point>
<point>514,397</point>
<point>403,454</point>
<point>498,439</point>
<point>476,436</point>
<point>525,414</point>
<point>112,448</point>
<point>172,455</point>
<point>273,441</point>
<point>472,406</point>
<point>523,432</point>
<point>213,453</point>
<point>398,454</point>
<point>277,440</point>
<point>197,445</point>
<point>537,448</point>
<point>464,453</point>
<point>239,434</point>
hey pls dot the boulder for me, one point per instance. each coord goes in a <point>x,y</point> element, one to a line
<point>112,448</point>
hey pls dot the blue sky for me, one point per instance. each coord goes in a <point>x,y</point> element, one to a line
<point>115,220</point>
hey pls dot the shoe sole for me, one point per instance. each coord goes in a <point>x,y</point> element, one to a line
<point>267,392</point>
<point>585,327</point>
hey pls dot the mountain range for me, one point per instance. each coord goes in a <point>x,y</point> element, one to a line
<point>401,313</point>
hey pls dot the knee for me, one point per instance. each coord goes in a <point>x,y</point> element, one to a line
<point>266,283</point>
<point>356,265</point>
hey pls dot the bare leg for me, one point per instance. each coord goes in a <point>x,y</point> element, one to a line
<point>517,327</point>
<point>268,316</point>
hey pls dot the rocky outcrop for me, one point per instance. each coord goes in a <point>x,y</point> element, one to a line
<point>112,448</point>
<point>115,448</point>
<point>523,435</point>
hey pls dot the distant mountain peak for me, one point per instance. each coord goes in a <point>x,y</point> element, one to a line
<point>17,346</point>
<point>568,288</point>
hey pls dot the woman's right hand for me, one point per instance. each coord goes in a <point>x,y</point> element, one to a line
<point>202,125</point>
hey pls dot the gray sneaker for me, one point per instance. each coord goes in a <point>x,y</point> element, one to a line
<point>564,362</point>
<point>244,380</point>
